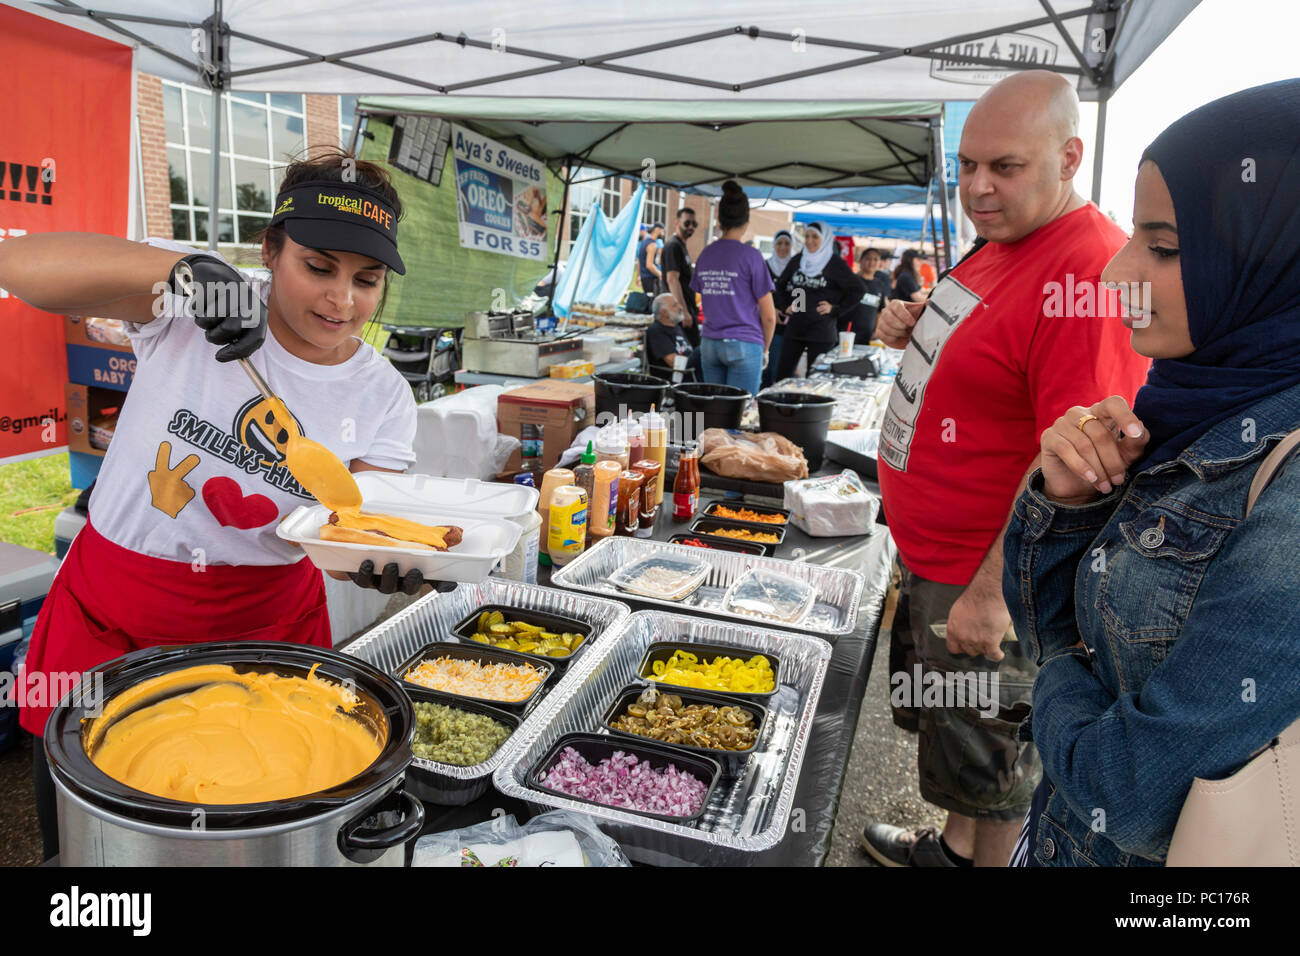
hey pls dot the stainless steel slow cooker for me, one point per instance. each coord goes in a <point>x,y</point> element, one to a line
<point>365,820</point>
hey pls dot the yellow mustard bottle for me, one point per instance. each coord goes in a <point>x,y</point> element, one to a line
<point>568,524</point>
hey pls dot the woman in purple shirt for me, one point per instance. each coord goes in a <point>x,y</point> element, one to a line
<point>735,290</point>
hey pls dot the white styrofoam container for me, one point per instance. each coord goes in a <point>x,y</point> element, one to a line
<point>383,490</point>
<point>484,511</point>
<point>596,348</point>
<point>485,542</point>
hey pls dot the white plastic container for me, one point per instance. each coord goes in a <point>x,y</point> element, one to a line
<point>596,348</point>
<point>488,514</point>
<point>521,563</point>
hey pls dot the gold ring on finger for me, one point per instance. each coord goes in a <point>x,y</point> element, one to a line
<point>1084,420</point>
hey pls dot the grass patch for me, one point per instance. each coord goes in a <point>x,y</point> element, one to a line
<point>32,493</point>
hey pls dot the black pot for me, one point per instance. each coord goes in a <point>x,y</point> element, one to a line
<point>804,419</point>
<point>720,406</point>
<point>621,392</point>
<point>384,707</point>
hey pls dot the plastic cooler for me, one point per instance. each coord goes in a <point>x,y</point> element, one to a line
<point>25,579</point>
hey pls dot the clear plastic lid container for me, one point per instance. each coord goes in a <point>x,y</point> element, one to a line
<point>773,597</point>
<point>668,578</point>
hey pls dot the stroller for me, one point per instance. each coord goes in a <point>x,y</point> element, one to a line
<point>427,357</point>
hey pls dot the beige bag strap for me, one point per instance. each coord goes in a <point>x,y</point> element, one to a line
<point>1268,470</point>
<point>1271,465</point>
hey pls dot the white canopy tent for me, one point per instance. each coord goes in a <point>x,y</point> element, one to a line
<point>762,50</point>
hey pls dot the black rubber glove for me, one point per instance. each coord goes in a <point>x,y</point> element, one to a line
<point>222,303</point>
<point>388,582</point>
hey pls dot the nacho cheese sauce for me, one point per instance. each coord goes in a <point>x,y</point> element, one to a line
<point>234,738</point>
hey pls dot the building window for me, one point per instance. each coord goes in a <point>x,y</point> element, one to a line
<point>586,190</point>
<point>611,196</point>
<point>655,208</point>
<point>260,135</point>
<point>347,118</point>
<point>419,146</point>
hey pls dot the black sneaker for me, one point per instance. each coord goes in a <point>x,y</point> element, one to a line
<point>898,846</point>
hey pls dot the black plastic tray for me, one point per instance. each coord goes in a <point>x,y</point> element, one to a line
<point>707,512</point>
<point>717,543</point>
<point>467,627</point>
<point>731,759</point>
<point>705,525</point>
<point>662,650</point>
<point>484,655</point>
<point>596,747</point>
<point>423,695</point>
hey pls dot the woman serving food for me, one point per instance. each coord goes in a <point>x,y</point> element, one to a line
<point>180,546</point>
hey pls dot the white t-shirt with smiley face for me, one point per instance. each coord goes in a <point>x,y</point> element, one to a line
<point>194,471</point>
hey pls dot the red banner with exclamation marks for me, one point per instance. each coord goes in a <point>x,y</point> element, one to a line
<point>65,166</point>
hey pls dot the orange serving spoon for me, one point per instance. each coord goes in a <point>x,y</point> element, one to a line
<point>315,467</point>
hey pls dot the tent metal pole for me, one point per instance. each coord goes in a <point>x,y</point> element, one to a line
<point>941,175</point>
<point>1103,95</point>
<point>559,234</point>
<point>215,81</point>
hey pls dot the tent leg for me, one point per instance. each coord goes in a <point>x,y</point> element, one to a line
<point>1102,96</point>
<point>214,207</point>
<point>941,174</point>
<point>559,235</point>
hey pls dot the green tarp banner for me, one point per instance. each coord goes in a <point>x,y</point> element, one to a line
<point>444,281</point>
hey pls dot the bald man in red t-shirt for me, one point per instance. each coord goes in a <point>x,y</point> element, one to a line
<point>1007,341</point>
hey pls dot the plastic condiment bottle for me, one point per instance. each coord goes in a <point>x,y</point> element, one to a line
<point>555,478</point>
<point>608,446</point>
<point>604,504</point>
<point>686,488</point>
<point>584,476</point>
<point>635,442</point>
<point>567,535</point>
<point>656,448</point>
<point>628,515</point>
<point>649,505</point>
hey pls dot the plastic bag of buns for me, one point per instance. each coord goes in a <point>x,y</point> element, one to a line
<point>764,456</point>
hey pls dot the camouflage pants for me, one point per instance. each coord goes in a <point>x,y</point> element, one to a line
<point>965,709</point>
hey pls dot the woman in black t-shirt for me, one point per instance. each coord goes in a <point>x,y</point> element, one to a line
<point>816,288</point>
<point>907,278</point>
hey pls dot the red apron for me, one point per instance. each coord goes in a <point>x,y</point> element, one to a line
<point>107,601</point>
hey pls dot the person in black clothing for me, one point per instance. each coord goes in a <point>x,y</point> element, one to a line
<point>816,288</point>
<point>907,278</point>
<point>782,245</point>
<point>677,270</point>
<point>647,260</point>
<point>665,340</point>
<point>878,285</point>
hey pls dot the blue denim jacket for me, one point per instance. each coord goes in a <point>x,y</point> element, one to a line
<point>1190,617</point>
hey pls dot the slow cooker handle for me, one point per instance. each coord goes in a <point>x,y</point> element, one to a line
<point>366,846</point>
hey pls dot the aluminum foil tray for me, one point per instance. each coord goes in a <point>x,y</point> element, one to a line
<point>432,618</point>
<point>834,610</point>
<point>750,811</point>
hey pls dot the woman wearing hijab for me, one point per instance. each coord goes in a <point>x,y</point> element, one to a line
<point>1164,618</point>
<point>782,243</point>
<point>816,288</point>
<point>782,246</point>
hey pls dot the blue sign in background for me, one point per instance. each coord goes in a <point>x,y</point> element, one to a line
<point>488,197</point>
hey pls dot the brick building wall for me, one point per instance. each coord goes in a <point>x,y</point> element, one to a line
<point>153,156</point>
<point>322,121</point>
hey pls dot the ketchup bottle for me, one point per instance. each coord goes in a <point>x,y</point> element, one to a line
<point>686,487</point>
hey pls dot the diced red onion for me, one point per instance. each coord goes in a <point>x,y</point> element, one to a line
<point>623,781</point>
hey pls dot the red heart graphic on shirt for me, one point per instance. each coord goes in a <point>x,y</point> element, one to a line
<point>233,509</point>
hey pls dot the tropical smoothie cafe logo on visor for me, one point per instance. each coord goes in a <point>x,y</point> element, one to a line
<point>360,207</point>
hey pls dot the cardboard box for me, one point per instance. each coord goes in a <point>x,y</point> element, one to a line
<point>91,417</point>
<point>97,333</point>
<point>555,408</point>
<point>94,358</point>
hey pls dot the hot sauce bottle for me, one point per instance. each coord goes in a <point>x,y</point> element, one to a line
<point>686,487</point>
